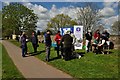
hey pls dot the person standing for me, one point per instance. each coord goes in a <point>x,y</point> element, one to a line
<point>67,45</point>
<point>23,44</point>
<point>39,36</point>
<point>48,42</point>
<point>58,39</point>
<point>88,36</point>
<point>34,41</point>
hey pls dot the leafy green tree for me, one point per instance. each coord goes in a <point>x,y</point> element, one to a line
<point>60,21</point>
<point>0,24</point>
<point>16,17</point>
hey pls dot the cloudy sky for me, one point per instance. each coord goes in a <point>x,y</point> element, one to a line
<point>47,10</point>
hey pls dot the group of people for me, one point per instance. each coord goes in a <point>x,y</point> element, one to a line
<point>23,39</point>
<point>65,43</point>
<point>100,41</point>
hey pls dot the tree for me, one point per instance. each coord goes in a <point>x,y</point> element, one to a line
<point>60,21</point>
<point>88,17</point>
<point>16,17</point>
<point>116,28</point>
<point>0,19</point>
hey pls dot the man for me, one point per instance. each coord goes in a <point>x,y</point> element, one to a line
<point>88,36</point>
<point>103,45</point>
<point>48,42</point>
<point>23,44</point>
<point>105,35</point>
<point>58,39</point>
<point>67,45</point>
<point>34,41</point>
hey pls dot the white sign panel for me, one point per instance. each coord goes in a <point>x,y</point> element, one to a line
<point>78,32</point>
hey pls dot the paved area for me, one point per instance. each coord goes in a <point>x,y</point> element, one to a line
<point>32,67</point>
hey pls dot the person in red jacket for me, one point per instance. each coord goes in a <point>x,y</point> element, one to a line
<point>97,35</point>
<point>58,39</point>
<point>96,39</point>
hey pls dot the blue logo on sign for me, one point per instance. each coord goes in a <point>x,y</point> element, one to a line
<point>78,29</point>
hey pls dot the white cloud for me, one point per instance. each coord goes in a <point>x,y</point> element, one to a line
<point>53,7</point>
<point>42,24</point>
<point>6,3</point>
<point>107,11</point>
<point>111,4</point>
<point>45,15</point>
<point>42,14</point>
<point>109,21</point>
<point>54,11</point>
<point>70,11</point>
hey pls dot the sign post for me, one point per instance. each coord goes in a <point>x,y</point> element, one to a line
<point>78,32</point>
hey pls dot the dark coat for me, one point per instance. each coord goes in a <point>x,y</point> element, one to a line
<point>105,36</point>
<point>67,40</point>
<point>88,36</point>
<point>34,39</point>
<point>23,41</point>
<point>48,40</point>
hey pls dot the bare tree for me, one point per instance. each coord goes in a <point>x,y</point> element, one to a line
<point>88,16</point>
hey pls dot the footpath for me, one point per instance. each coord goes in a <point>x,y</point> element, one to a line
<point>31,67</point>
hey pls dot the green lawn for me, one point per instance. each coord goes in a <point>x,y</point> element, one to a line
<point>9,70</point>
<point>89,66</point>
<point>0,61</point>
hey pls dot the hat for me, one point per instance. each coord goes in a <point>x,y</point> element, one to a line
<point>89,30</point>
<point>67,32</point>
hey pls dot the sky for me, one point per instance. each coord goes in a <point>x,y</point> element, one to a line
<point>48,9</point>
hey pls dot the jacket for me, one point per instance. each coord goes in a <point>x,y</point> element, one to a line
<point>88,36</point>
<point>34,39</point>
<point>58,38</point>
<point>96,35</point>
<point>23,41</point>
<point>67,40</point>
<point>48,40</point>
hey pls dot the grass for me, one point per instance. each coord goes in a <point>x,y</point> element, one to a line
<point>0,62</point>
<point>9,70</point>
<point>89,66</point>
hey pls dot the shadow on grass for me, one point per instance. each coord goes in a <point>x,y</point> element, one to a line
<point>73,56</point>
<point>76,54</point>
<point>37,53</point>
<point>105,52</point>
<point>55,58</point>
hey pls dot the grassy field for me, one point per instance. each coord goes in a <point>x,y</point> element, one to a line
<point>0,62</point>
<point>89,66</point>
<point>9,70</point>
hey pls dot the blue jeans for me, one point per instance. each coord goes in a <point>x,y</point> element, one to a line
<point>24,50</point>
<point>47,52</point>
